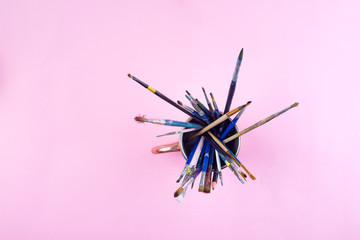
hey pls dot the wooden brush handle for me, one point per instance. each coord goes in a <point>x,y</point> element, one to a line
<point>171,147</point>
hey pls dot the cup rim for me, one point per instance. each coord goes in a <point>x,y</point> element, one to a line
<point>181,141</point>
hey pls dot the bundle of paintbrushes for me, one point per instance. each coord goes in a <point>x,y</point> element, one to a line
<point>210,139</point>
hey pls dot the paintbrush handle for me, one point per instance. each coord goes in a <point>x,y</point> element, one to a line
<point>259,123</point>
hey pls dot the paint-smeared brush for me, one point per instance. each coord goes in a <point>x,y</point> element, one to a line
<point>230,154</point>
<point>190,157</point>
<point>207,101</point>
<point>233,82</point>
<point>166,99</point>
<point>167,122</point>
<point>187,183</point>
<point>220,120</point>
<point>207,186</point>
<point>178,132</point>
<point>191,110</point>
<point>198,110</point>
<point>231,125</point>
<point>205,110</point>
<point>218,166</point>
<point>214,177</point>
<point>204,167</point>
<point>258,124</point>
<point>217,112</point>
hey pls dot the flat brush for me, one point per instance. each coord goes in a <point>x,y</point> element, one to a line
<point>258,124</point>
<point>166,99</point>
<point>214,177</point>
<point>220,120</point>
<point>207,186</point>
<point>167,122</point>
<point>178,132</point>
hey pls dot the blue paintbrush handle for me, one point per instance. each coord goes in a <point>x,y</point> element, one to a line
<point>206,157</point>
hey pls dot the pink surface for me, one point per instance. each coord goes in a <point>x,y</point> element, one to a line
<point>74,164</point>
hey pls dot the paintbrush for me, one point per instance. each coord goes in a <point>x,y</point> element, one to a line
<point>258,124</point>
<point>215,106</point>
<point>233,82</point>
<point>233,167</point>
<point>214,177</point>
<point>190,180</point>
<point>204,167</point>
<point>191,110</point>
<point>198,110</point>
<point>190,157</point>
<point>207,101</point>
<point>167,122</point>
<point>230,154</point>
<point>205,110</point>
<point>218,167</point>
<point>163,97</point>
<point>220,120</point>
<point>178,132</point>
<point>207,186</point>
<point>232,124</point>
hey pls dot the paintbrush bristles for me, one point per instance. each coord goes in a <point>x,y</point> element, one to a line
<point>140,119</point>
<point>178,192</point>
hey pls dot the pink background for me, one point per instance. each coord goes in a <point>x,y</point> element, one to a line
<point>74,164</point>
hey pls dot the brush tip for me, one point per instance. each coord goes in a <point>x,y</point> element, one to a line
<point>295,104</point>
<point>140,119</point>
<point>241,54</point>
<point>178,192</point>
<point>248,103</point>
<point>180,103</point>
<point>129,75</point>
<point>201,189</point>
<point>252,177</point>
<point>213,185</point>
<point>207,189</point>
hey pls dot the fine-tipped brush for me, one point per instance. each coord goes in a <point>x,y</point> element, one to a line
<point>232,86</point>
<point>204,167</point>
<point>258,124</point>
<point>218,167</point>
<point>233,82</point>
<point>207,186</point>
<point>167,122</point>
<point>166,99</point>
<point>207,101</point>
<point>215,106</point>
<point>178,132</point>
<point>220,120</point>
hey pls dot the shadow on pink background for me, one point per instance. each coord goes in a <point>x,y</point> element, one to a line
<point>74,164</point>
